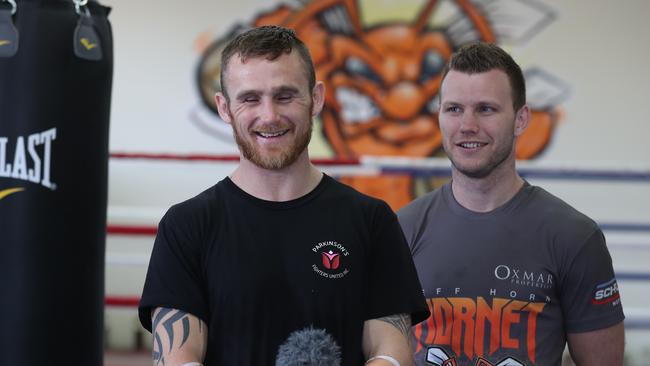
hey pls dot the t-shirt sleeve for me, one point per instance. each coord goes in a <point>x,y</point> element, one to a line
<point>590,297</point>
<point>394,286</point>
<point>406,218</point>
<point>174,275</point>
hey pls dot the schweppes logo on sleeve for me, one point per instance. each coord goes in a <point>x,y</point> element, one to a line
<point>31,161</point>
<point>606,293</point>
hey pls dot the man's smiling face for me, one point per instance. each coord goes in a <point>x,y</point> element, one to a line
<point>478,122</point>
<point>270,108</point>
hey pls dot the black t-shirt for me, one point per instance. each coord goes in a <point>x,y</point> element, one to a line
<point>254,271</point>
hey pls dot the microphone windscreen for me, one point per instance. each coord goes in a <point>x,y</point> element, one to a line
<point>309,347</point>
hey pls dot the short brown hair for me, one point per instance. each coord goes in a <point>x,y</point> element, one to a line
<point>479,57</point>
<point>270,41</point>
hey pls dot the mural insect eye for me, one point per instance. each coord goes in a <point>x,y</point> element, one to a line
<point>432,64</point>
<point>433,106</point>
<point>357,67</point>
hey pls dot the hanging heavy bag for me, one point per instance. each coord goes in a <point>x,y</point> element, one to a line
<point>56,65</point>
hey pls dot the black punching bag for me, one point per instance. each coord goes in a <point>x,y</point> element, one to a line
<point>56,65</point>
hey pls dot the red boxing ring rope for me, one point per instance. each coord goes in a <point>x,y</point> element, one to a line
<point>213,158</point>
<point>415,167</point>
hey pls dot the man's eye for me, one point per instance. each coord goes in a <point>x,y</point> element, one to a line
<point>284,97</point>
<point>486,109</point>
<point>251,100</point>
<point>453,109</point>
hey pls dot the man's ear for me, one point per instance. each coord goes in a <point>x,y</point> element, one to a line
<point>521,120</point>
<point>222,107</point>
<point>318,98</point>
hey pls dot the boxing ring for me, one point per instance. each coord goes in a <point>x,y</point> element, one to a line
<point>615,196</point>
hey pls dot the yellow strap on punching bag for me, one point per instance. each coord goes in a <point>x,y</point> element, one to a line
<point>8,32</point>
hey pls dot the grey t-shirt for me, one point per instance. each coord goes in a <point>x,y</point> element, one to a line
<point>504,287</point>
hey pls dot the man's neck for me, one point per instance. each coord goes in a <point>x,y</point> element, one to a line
<point>488,193</point>
<point>280,185</point>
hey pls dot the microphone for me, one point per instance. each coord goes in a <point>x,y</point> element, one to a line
<point>309,347</point>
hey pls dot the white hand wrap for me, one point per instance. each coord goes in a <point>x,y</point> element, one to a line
<point>387,358</point>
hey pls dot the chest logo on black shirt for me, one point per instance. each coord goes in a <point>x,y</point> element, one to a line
<point>331,261</point>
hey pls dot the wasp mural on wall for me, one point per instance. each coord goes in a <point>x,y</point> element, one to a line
<point>383,79</point>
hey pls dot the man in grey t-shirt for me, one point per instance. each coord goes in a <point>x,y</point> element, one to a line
<point>511,273</point>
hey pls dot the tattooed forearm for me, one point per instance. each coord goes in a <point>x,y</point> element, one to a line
<point>400,321</point>
<point>171,330</point>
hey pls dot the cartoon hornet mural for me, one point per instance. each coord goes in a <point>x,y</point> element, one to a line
<point>383,81</point>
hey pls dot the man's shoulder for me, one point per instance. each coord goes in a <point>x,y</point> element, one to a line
<point>421,204</point>
<point>556,207</point>
<point>205,201</point>
<point>559,215</point>
<point>350,196</point>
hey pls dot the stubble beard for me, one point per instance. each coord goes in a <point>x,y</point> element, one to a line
<point>485,169</point>
<point>277,160</point>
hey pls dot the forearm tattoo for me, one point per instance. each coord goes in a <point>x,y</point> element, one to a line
<point>400,321</point>
<point>169,319</point>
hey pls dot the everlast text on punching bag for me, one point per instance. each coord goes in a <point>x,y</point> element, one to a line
<point>56,65</point>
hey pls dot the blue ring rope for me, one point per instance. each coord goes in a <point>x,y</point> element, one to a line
<point>527,172</point>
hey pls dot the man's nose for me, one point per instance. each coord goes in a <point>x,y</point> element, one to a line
<point>268,111</point>
<point>469,123</point>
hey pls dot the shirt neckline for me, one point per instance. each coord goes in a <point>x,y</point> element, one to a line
<point>522,194</point>
<point>234,189</point>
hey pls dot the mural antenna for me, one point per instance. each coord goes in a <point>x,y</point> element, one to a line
<point>479,21</point>
<point>425,15</point>
<point>314,8</point>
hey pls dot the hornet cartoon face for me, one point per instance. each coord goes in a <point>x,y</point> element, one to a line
<point>382,82</point>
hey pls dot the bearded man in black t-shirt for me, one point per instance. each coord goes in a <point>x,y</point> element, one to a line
<point>277,246</point>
